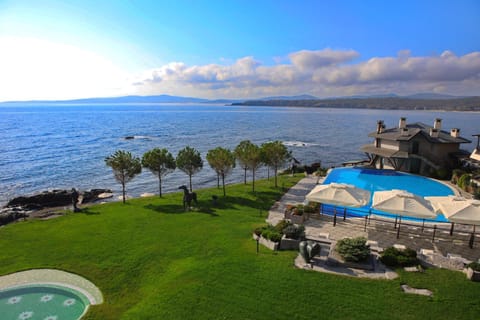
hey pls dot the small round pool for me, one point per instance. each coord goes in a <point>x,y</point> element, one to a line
<point>42,302</point>
<point>380,180</point>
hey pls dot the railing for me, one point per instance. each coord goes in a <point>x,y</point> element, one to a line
<point>402,226</point>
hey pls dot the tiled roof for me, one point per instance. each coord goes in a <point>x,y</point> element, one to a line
<point>414,129</point>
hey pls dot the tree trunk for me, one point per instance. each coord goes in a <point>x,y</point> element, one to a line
<point>160,184</point>
<point>190,176</point>
<point>253,180</point>
<point>223,183</point>
<point>275,169</point>
<point>268,173</point>
<point>218,180</point>
<point>245,175</point>
<point>123,191</point>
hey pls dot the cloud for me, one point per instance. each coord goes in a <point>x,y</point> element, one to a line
<point>310,60</point>
<point>323,73</point>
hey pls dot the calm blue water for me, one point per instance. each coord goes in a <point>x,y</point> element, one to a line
<point>64,146</point>
<point>381,180</point>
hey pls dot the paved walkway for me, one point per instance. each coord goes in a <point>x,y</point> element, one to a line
<point>382,234</point>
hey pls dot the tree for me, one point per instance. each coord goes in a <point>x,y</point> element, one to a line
<point>125,167</point>
<point>275,155</point>
<point>222,161</point>
<point>241,154</point>
<point>250,156</point>
<point>160,162</point>
<point>190,162</point>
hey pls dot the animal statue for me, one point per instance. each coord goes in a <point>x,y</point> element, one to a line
<point>188,197</point>
<point>308,249</point>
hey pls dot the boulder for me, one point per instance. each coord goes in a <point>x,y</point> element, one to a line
<point>8,215</point>
<point>54,198</point>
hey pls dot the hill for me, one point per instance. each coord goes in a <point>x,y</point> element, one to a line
<point>392,103</point>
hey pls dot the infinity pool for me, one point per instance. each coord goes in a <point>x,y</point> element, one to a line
<point>43,302</point>
<point>380,180</point>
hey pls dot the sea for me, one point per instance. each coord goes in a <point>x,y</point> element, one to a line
<point>60,146</point>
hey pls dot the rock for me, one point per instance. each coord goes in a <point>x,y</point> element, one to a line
<point>96,194</point>
<point>46,199</point>
<point>423,292</point>
<point>8,215</point>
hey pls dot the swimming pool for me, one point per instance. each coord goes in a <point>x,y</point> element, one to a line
<point>380,180</point>
<point>45,302</point>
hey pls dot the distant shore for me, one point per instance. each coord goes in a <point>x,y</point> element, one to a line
<point>389,103</point>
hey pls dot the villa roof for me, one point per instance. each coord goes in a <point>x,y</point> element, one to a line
<point>415,129</point>
<point>384,152</point>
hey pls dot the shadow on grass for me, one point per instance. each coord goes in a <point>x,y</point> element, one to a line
<point>87,211</point>
<point>178,209</point>
<point>166,208</point>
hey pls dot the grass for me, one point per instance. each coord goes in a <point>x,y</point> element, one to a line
<point>151,260</point>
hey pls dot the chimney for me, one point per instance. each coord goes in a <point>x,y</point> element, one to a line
<point>402,123</point>
<point>437,124</point>
<point>380,126</point>
<point>455,132</point>
<point>434,132</point>
<point>404,132</point>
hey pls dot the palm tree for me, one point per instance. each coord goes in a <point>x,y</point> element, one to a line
<point>125,167</point>
<point>222,161</point>
<point>189,161</point>
<point>160,162</point>
<point>275,155</point>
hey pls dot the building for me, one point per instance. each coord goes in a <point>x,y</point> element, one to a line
<point>416,148</point>
<point>474,160</point>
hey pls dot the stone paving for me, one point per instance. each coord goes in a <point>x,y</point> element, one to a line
<point>445,251</point>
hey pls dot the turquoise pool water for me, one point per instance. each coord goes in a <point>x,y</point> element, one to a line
<point>380,180</point>
<point>42,302</point>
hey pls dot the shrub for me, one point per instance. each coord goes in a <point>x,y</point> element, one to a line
<point>464,181</point>
<point>271,234</point>
<point>258,231</point>
<point>474,265</point>
<point>282,225</point>
<point>312,207</point>
<point>294,232</point>
<point>298,210</point>
<point>353,250</point>
<point>394,257</point>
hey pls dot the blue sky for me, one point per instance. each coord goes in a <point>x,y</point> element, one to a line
<point>237,49</point>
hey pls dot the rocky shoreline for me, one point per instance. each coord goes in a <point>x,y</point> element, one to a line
<point>27,206</point>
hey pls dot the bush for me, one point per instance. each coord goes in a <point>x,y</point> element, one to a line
<point>294,232</point>
<point>474,265</point>
<point>464,181</point>
<point>271,234</point>
<point>393,257</point>
<point>282,225</point>
<point>312,207</point>
<point>353,250</point>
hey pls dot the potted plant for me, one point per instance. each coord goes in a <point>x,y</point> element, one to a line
<point>473,271</point>
<point>298,216</point>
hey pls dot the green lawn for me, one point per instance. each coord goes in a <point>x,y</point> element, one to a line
<point>153,261</point>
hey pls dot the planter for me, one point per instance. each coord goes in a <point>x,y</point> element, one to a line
<point>289,244</point>
<point>473,275</point>
<point>288,214</point>
<point>298,219</point>
<point>267,243</point>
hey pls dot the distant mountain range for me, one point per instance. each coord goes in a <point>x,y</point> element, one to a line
<point>425,101</point>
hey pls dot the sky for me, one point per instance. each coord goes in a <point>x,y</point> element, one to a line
<point>237,49</point>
